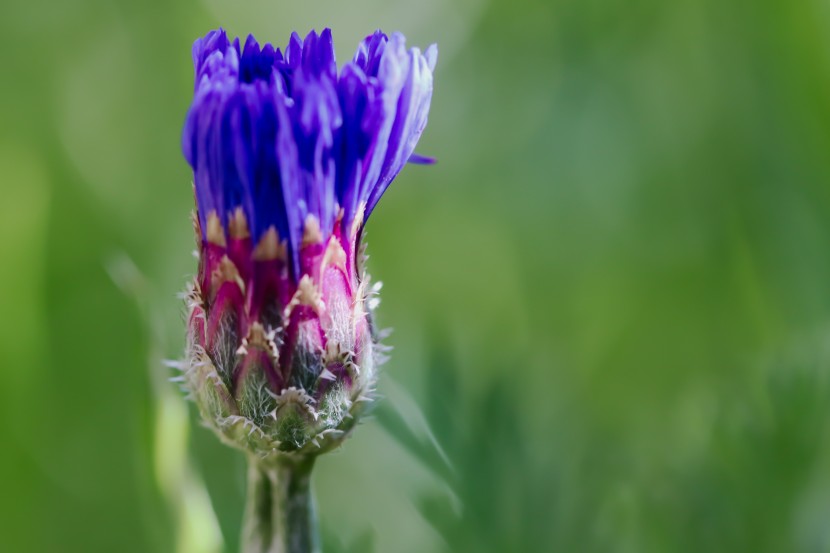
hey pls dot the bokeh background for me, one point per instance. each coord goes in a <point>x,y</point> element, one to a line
<point>611,296</point>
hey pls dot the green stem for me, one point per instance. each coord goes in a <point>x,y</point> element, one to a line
<point>280,515</point>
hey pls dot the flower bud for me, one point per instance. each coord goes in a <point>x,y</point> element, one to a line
<point>289,159</point>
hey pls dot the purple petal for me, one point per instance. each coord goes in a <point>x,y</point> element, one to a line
<point>283,136</point>
<point>421,160</point>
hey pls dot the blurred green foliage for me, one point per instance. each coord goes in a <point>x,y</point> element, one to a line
<point>610,296</point>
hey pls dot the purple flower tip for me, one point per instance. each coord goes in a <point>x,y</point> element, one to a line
<point>422,160</point>
<point>283,136</point>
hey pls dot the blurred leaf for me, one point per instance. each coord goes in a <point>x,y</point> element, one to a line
<point>363,543</point>
<point>419,445</point>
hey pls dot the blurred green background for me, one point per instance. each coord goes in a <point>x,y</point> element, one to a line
<point>611,297</point>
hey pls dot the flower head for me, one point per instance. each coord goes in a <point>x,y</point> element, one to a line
<point>289,159</point>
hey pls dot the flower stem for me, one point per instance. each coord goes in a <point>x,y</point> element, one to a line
<point>280,515</point>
